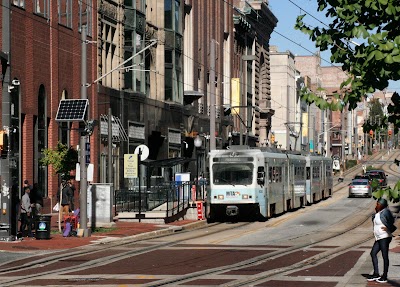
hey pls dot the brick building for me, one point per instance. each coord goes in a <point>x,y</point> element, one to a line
<point>148,76</point>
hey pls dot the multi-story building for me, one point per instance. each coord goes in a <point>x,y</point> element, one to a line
<point>330,131</point>
<point>287,123</point>
<point>148,76</point>
<point>41,64</point>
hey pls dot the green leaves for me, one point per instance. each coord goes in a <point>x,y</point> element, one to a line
<point>370,65</point>
<point>63,159</point>
<point>390,194</point>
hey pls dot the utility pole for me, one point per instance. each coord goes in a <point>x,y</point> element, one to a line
<point>8,223</point>
<point>82,143</point>
<point>342,137</point>
<point>110,148</point>
<point>212,95</point>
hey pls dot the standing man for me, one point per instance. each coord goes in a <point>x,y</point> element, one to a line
<point>383,228</point>
<point>66,194</point>
<point>26,212</point>
<point>72,199</point>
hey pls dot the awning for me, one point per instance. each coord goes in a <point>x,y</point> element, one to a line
<point>118,132</point>
<point>169,162</point>
<point>191,96</point>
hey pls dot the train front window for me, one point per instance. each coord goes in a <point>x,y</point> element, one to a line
<point>233,174</point>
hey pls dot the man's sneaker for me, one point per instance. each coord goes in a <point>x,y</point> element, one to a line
<point>373,277</point>
<point>381,279</point>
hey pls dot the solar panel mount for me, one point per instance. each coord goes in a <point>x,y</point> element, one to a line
<point>72,110</point>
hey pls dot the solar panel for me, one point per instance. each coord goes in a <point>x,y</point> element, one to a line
<point>72,110</point>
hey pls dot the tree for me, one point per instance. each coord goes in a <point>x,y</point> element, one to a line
<point>377,120</point>
<point>63,159</point>
<point>371,63</point>
<point>364,37</point>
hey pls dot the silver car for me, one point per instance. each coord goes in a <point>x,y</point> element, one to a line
<point>360,187</point>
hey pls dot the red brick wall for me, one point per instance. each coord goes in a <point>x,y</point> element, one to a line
<point>46,53</point>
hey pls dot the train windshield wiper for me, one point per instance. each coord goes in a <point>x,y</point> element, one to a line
<point>226,181</point>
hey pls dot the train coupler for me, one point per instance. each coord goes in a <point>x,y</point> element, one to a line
<point>232,210</point>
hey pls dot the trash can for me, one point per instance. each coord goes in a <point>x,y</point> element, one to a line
<point>43,226</point>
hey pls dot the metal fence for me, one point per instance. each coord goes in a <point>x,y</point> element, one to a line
<point>168,197</point>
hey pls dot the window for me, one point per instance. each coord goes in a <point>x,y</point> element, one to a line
<point>168,84</point>
<point>42,8</point>
<point>135,68</point>
<point>85,15</point>
<point>173,15</point>
<point>135,4</point>
<point>173,57</point>
<point>40,142</point>
<point>64,127</point>
<point>19,3</point>
<point>65,13</point>
<point>168,14</point>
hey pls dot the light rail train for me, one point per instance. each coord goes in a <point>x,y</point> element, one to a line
<point>258,183</point>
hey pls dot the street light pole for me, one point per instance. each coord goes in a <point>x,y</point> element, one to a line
<point>197,143</point>
<point>82,143</point>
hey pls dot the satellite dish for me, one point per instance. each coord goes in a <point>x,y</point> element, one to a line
<point>144,151</point>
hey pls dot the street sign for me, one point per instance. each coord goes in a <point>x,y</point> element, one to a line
<point>336,164</point>
<point>130,165</point>
<point>87,153</point>
<point>144,151</point>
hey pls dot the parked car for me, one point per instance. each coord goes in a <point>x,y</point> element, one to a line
<point>379,175</point>
<point>363,176</point>
<point>360,188</point>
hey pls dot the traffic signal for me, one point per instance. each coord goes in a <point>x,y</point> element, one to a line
<point>390,132</point>
<point>272,138</point>
<point>371,133</point>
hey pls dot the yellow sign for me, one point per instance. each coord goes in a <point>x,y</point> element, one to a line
<point>235,95</point>
<point>130,165</point>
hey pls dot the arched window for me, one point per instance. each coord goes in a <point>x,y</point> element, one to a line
<point>64,134</point>
<point>40,142</point>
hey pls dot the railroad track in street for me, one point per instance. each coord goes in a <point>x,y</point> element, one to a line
<point>359,234</point>
<point>43,269</point>
<point>280,258</point>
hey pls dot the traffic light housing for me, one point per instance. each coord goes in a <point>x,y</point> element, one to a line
<point>272,138</point>
<point>397,162</point>
<point>371,133</point>
<point>390,132</point>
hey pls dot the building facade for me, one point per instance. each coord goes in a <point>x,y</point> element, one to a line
<point>41,64</point>
<point>149,67</point>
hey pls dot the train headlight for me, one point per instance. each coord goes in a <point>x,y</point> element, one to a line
<point>220,196</point>
<point>245,196</point>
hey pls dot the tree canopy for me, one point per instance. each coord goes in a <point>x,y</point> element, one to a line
<point>362,36</point>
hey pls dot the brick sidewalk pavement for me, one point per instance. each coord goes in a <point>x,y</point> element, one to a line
<point>122,229</point>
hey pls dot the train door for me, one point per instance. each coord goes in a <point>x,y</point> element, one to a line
<point>323,179</point>
<point>308,184</point>
<point>261,190</point>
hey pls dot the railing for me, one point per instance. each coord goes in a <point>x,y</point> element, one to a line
<point>169,197</point>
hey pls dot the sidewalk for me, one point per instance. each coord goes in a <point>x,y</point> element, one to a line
<point>122,229</point>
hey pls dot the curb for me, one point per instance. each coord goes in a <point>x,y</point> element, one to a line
<point>151,234</point>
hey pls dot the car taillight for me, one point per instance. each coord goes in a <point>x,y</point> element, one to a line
<point>351,186</point>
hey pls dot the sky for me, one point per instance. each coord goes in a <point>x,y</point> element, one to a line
<point>287,38</point>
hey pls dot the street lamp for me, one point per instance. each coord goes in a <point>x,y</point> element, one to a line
<point>197,143</point>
